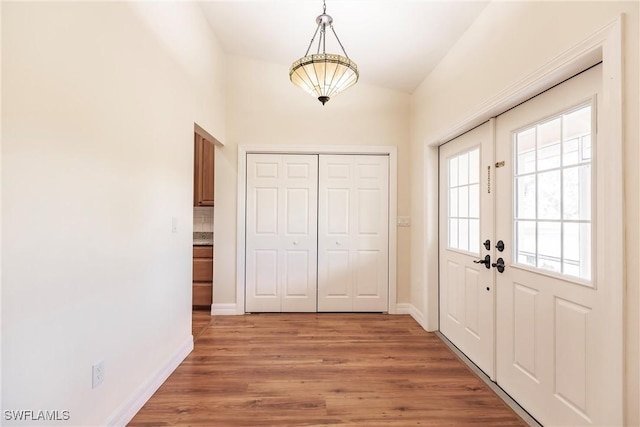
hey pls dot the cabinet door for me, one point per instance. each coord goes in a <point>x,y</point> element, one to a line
<point>204,172</point>
<point>281,239</point>
<point>202,275</point>
<point>203,269</point>
<point>353,233</point>
<point>202,294</point>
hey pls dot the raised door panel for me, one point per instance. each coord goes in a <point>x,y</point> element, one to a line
<point>265,212</point>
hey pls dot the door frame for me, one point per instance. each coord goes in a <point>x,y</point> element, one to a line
<point>604,45</point>
<point>243,150</point>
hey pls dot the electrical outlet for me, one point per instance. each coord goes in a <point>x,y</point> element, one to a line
<point>97,371</point>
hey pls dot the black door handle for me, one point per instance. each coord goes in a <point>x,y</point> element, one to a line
<point>486,261</point>
<point>499,264</point>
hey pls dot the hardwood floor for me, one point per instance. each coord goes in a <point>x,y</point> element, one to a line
<point>199,322</point>
<point>322,369</point>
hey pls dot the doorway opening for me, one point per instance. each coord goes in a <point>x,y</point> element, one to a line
<point>203,230</point>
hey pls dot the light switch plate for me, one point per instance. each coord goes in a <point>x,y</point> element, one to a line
<point>404,221</point>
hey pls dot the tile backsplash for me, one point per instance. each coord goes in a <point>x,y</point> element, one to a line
<point>203,219</point>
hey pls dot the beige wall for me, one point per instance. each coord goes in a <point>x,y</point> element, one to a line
<point>507,42</point>
<point>263,107</point>
<point>98,112</point>
<point>98,106</point>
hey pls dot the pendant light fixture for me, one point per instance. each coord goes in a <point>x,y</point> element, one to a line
<point>324,75</point>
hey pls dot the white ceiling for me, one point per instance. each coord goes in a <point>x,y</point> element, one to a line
<point>396,43</point>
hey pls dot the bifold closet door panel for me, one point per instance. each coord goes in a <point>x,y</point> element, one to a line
<point>353,233</point>
<point>281,233</point>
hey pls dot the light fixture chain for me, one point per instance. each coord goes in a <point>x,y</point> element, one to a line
<point>340,43</point>
<point>324,39</point>
<point>312,39</point>
<point>324,6</point>
<point>322,35</point>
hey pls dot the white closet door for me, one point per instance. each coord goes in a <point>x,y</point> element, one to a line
<point>353,233</point>
<point>281,235</point>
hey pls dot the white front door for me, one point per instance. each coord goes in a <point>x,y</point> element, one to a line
<point>466,225</point>
<point>281,233</point>
<point>353,233</point>
<point>553,303</point>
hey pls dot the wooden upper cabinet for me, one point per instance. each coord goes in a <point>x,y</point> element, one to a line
<point>204,171</point>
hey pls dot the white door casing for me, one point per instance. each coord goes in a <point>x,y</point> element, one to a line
<point>281,233</point>
<point>241,229</point>
<point>353,233</point>
<point>552,354</point>
<point>466,222</point>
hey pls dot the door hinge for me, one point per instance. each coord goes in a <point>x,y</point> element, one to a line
<point>500,164</point>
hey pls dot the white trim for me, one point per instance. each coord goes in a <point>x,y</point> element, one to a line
<point>493,187</point>
<point>206,135</point>
<point>576,59</point>
<point>125,413</point>
<point>243,150</point>
<point>610,255</point>
<point>393,229</point>
<point>224,309</point>
<point>603,45</point>
<point>431,237</point>
<point>410,309</point>
<point>241,228</point>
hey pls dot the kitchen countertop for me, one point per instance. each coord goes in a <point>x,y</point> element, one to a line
<point>202,238</point>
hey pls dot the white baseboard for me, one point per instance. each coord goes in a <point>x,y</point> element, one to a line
<point>411,310</point>
<point>223,310</point>
<point>129,409</point>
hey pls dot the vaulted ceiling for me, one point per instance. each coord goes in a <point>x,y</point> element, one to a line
<point>396,43</point>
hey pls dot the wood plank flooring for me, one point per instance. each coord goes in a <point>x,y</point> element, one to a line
<point>199,322</point>
<point>322,369</point>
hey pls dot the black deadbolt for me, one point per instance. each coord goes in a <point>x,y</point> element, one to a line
<point>499,264</point>
<point>500,246</point>
<point>487,244</point>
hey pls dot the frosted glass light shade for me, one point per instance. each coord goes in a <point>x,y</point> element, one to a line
<point>324,75</point>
